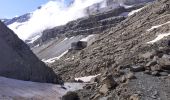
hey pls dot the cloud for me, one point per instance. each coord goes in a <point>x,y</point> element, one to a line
<point>52,14</point>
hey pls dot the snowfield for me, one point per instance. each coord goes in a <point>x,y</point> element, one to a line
<point>11,89</point>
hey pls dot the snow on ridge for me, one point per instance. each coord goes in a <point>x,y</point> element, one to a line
<point>157,26</point>
<point>135,11</point>
<point>87,38</point>
<point>86,78</point>
<point>52,60</point>
<point>159,37</point>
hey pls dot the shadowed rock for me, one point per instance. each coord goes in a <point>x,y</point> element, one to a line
<point>17,60</point>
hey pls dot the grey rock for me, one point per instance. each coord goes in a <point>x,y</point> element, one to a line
<point>155,73</point>
<point>137,68</point>
<point>151,63</point>
<point>18,61</point>
<point>110,82</point>
<point>104,89</point>
<point>71,96</point>
<point>163,73</point>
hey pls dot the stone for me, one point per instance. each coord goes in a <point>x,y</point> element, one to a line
<point>104,89</point>
<point>163,73</point>
<point>164,62</point>
<point>156,68</point>
<point>155,73</point>
<point>151,63</point>
<point>110,82</point>
<point>123,79</point>
<point>147,72</point>
<point>148,54</point>
<point>137,68</point>
<point>134,97</point>
<point>130,76</point>
<point>71,96</point>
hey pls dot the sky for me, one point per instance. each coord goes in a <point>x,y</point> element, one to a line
<point>12,8</point>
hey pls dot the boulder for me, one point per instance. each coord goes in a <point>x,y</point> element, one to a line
<point>137,68</point>
<point>71,96</point>
<point>110,82</point>
<point>164,62</point>
<point>104,89</point>
<point>78,45</point>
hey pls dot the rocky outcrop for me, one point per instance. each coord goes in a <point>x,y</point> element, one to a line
<point>17,60</point>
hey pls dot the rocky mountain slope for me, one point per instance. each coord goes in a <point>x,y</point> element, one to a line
<point>132,58</point>
<point>17,60</point>
<point>53,42</point>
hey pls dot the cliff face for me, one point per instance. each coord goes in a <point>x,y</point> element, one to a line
<point>17,60</point>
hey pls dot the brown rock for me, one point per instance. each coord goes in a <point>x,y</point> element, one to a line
<point>155,73</point>
<point>110,82</point>
<point>104,89</point>
<point>156,68</point>
<point>130,76</point>
<point>137,68</point>
<point>151,63</point>
<point>134,97</point>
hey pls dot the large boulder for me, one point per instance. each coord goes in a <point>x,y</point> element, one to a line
<point>17,60</point>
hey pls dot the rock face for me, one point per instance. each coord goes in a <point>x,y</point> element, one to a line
<point>17,60</point>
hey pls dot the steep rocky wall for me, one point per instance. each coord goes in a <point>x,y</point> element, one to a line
<point>17,60</point>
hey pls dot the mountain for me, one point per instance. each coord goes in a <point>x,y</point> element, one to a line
<point>131,60</point>
<point>56,13</point>
<point>17,60</point>
<point>56,41</point>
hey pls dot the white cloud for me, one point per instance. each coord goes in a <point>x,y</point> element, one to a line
<point>52,14</point>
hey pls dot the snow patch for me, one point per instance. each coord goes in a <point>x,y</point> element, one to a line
<point>34,39</point>
<point>86,78</point>
<point>159,37</point>
<point>126,6</point>
<point>11,88</point>
<point>87,38</point>
<point>157,26</point>
<point>52,60</point>
<point>135,11</point>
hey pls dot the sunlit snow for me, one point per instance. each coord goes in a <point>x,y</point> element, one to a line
<point>87,38</point>
<point>159,37</point>
<point>86,78</point>
<point>157,26</point>
<point>52,60</point>
<point>135,11</point>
